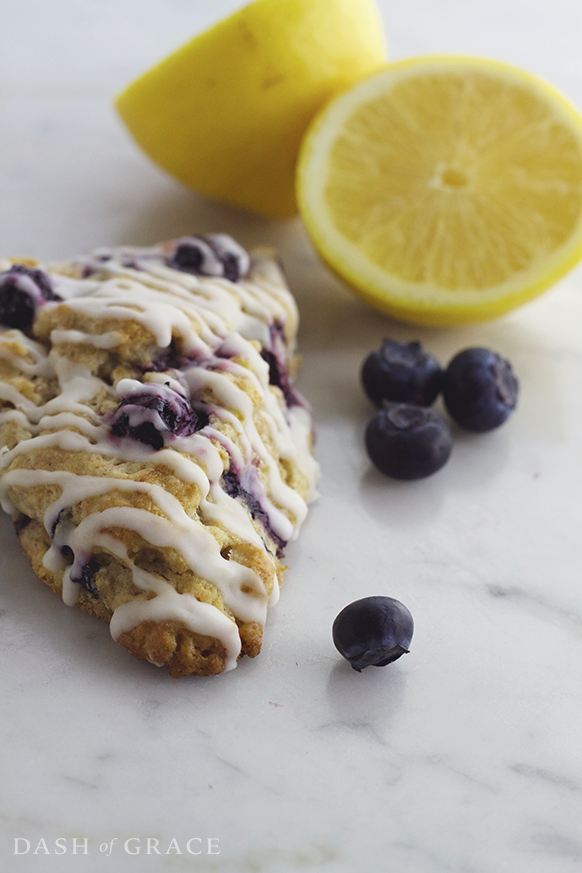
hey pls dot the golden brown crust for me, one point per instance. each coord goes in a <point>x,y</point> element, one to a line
<point>171,645</point>
<point>167,643</point>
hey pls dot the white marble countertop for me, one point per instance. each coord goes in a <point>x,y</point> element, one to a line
<point>464,756</point>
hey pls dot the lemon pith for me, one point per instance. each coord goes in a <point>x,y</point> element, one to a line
<point>445,190</point>
<point>226,113</point>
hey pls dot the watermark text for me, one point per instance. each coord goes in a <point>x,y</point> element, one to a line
<point>130,846</point>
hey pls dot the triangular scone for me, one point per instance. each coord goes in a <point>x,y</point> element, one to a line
<point>155,456</point>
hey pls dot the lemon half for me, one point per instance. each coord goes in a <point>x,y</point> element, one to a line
<point>445,190</point>
<point>226,113</point>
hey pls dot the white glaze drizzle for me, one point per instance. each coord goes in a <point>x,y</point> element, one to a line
<point>216,320</point>
<point>101,341</point>
<point>40,365</point>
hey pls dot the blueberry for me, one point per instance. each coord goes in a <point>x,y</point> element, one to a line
<point>276,356</point>
<point>403,373</point>
<point>279,375</point>
<point>374,631</point>
<point>17,308</point>
<point>22,291</point>
<point>213,254</point>
<point>408,442</point>
<point>232,486</point>
<point>480,389</point>
<point>155,414</point>
<point>40,278</point>
<point>21,521</point>
<point>86,577</point>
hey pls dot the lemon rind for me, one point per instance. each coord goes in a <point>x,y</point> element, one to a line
<point>416,301</point>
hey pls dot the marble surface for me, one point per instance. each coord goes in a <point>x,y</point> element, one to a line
<point>465,755</point>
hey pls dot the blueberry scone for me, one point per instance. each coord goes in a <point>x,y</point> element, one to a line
<point>155,455</point>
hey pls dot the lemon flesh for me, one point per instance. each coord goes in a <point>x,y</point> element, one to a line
<point>445,190</point>
<point>226,113</point>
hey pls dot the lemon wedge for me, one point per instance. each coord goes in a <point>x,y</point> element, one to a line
<point>226,113</point>
<point>445,190</point>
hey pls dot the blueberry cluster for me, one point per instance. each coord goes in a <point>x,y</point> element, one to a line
<point>155,416</point>
<point>408,440</point>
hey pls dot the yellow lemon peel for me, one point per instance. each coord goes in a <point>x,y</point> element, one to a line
<point>445,190</point>
<point>226,113</point>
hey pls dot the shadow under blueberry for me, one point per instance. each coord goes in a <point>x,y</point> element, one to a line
<point>399,504</point>
<point>367,701</point>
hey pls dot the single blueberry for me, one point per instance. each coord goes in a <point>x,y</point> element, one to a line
<point>21,521</point>
<point>212,254</point>
<point>373,631</point>
<point>189,257</point>
<point>86,577</point>
<point>479,389</point>
<point>17,308</point>
<point>408,442</point>
<point>276,356</point>
<point>22,291</point>
<point>233,486</point>
<point>402,373</point>
<point>169,359</point>
<point>41,279</point>
<point>145,433</point>
<point>279,376</point>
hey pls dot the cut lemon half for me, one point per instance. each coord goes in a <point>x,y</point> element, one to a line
<point>226,113</point>
<point>445,190</point>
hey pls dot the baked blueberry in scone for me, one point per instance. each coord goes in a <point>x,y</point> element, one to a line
<point>155,455</point>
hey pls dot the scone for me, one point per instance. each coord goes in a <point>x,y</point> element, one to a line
<point>156,457</point>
